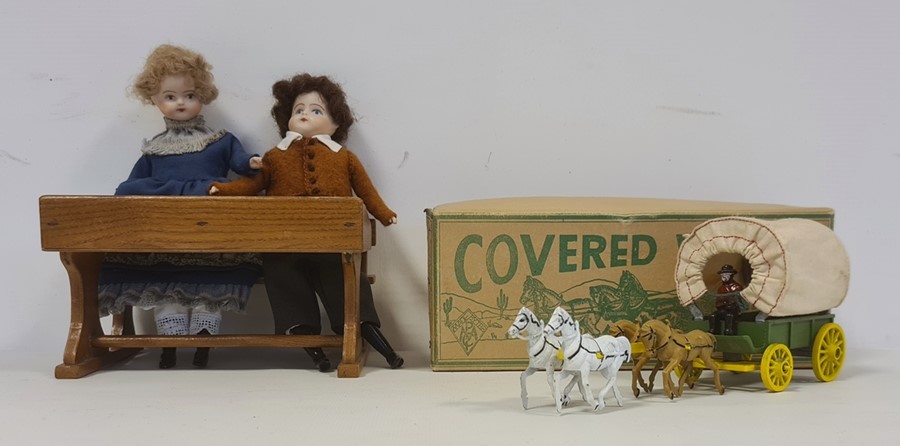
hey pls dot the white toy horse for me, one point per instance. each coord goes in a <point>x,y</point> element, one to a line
<point>583,354</point>
<point>542,353</point>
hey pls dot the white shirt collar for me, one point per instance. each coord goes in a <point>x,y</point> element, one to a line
<point>325,139</point>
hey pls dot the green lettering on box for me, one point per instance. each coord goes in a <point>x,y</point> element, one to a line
<point>536,264</point>
<point>636,241</point>
<point>591,248</point>
<point>565,252</point>
<point>459,264</point>
<point>513,259</point>
<point>618,252</point>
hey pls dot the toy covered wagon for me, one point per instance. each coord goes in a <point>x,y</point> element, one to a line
<point>794,272</point>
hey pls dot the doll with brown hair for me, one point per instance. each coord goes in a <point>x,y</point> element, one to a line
<point>186,291</point>
<point>313,117</point>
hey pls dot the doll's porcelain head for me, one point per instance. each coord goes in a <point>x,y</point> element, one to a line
<point>176,80</point>
<point>311,105</point>
<point>177,98</point>
<point>310,117</point>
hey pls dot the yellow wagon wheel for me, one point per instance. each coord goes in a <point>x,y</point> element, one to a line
<point>828,352</point>
<point>777,367</point>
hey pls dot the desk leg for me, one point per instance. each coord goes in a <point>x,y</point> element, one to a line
<point>80,357</point>
<point>353,355</point>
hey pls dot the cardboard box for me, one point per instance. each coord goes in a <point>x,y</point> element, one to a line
<point>608,258</point>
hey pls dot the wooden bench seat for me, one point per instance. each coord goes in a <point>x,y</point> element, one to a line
<point>83,228</point>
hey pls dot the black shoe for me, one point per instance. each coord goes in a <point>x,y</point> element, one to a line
<point>167,359</point>
<point>372,334</point>
<point>201,356</point>
<point>317,354</point>
<point>319,358</point>
<point>395,361</point>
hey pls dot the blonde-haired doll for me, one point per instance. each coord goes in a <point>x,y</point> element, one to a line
<point>186,291</point>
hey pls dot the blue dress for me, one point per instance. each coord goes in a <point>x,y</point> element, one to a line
<point>187,173</point>
<point>183,160</point>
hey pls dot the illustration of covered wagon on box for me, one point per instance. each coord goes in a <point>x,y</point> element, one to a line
<point>796,271</point>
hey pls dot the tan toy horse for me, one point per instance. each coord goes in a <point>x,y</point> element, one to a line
<point>629,330</point>
<point>674,348</point>
<point>625,328</point>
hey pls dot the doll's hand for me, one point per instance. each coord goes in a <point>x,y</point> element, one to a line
<point>393,220</point>
<point>213,190</point>
<point>256,162</point>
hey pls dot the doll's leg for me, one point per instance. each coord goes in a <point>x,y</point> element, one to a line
<point>328,281</point>
<point>291,296</point>
<point>293,300</point>
<point>203,319</point>
<point>171,319</point>
<point>316,353</point>
<point>371,327</point>
<point>204,322</point>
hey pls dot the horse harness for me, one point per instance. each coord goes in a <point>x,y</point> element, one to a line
<point>522,328</point>
<point>544,344</point>
<point>561,323</point>
<point>561,356</point>
<point>599,354</point>
<point>686,346</point>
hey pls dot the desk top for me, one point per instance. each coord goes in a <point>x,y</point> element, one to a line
<point>203,224</point>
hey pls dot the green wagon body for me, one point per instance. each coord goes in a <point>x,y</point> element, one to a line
<point>796,332</point>
<point>769,347</point>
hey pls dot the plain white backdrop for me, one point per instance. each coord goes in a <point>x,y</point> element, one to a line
<point>766,101</point>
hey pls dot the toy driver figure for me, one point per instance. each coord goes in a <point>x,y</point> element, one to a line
<point>728,302</point>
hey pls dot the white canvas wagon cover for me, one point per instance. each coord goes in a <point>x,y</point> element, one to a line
<point>799,266</point>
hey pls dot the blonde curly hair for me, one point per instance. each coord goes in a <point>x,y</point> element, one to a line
<point>170,60</point>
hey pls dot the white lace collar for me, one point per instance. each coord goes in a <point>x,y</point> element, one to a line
<point>325,139</point>
<point>182,137</point>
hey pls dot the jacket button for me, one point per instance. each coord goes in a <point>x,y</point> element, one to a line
<point>312,180</point>
<point>310,167</point>
<point>315,191</point>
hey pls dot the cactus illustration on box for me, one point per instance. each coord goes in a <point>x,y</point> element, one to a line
<point>502,303</point>
<point>448,307</point>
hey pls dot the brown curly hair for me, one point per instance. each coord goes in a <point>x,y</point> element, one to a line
<point>287,90</point>
<point>170,60</point>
